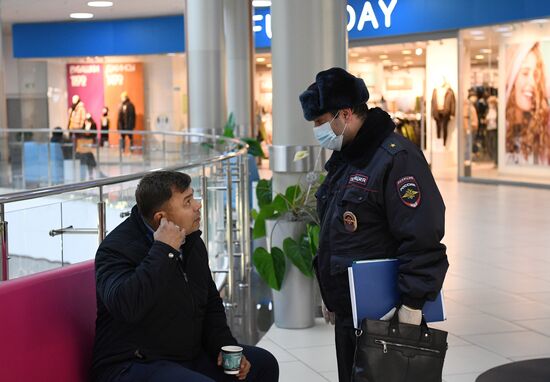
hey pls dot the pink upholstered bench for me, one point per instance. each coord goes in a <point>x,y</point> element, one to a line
<point>47,325</point>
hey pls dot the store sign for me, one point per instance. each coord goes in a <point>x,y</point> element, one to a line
<point>381,18</point>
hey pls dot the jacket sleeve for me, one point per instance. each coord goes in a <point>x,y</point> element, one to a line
<point>216,332</point>
<point>129,291</point>
<point>416,218</point>
<point>131,117</point>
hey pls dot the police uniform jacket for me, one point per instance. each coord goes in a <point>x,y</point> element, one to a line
<point>151,305</point>
<point>380,200</point>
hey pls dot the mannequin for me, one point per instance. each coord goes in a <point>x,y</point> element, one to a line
<point>77,114</point>
<point>492,125</point>
<point>443,107</point>
<point>126,118</point>
<point>104,138</point>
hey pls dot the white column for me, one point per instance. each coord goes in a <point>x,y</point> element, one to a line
<point>238,35</point>
<point>204,20</point>
<point>308,36</point>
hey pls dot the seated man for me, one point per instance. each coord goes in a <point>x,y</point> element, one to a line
<point>159,315</point>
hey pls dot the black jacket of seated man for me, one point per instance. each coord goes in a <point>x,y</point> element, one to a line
<point>152,306</point>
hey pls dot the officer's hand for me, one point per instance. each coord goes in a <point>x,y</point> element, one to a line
<point>170,233</point>
<point>329,316</point>
<point>406,315</point>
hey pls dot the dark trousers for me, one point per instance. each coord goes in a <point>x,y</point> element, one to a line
<point>442,123</point>
<point>345,347</point>
<point>203,369</point>
<point>123,140</point>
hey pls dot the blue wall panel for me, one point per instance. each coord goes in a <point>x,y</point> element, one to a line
<point>99,38</point>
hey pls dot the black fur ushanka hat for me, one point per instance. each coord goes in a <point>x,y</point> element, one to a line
<point>333,89</point>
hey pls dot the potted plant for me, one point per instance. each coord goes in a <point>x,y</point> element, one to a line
<point>290,224</point>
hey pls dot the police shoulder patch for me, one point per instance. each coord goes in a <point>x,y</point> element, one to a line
<point>409,191</point>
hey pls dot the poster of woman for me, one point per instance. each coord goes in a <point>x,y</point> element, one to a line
<point>527,140</point>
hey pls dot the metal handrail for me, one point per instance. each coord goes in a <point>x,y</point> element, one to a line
<point>79,186</point>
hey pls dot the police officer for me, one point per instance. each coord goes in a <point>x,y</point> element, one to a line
<point>379,200</point>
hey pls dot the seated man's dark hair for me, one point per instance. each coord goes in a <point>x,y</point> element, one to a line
<point>155,189</point>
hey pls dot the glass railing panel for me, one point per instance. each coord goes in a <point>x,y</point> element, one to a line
<point>80,211</point>
<point>31,247</point>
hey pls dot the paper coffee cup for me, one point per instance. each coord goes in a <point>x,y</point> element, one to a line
<point>231,359</point>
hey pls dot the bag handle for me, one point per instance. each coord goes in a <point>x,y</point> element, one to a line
<point>393,328</point>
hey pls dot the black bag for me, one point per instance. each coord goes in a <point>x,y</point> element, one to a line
<point>389,351</point>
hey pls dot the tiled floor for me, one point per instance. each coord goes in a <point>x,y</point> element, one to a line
<point>497,289</point>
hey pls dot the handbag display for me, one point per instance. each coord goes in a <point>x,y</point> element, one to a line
<point>389,351</point>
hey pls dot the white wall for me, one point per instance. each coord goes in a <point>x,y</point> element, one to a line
<point>57,94</point>
<point>441,60</point>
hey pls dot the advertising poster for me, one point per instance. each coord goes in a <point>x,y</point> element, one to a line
<point>86,81</point>
<point>527,134</point>
<point>119,78</point>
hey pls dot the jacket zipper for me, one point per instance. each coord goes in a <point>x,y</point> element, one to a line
<point>386,343</point>
<point>184,274</point>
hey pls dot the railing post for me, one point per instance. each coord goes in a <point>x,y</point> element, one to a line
<point>101,214</point>
<point>229,234</point>
<point>4,269</point>
<point>245,176</point>
<point>204,217</point>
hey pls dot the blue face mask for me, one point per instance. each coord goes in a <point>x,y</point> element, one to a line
<point>326,136</point>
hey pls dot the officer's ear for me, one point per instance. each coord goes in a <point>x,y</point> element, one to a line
<point>346,113</point>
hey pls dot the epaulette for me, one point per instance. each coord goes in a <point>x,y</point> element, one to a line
<point>392,146</point>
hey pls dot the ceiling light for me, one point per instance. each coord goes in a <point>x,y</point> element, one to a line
<point>539,21</point>
<point>260,59</point>
<point>81,15</point>
<point>386,62</point>
<point>268,65</point>
<point>395,67</point>
<point>354,54</point>
<point>362,60</point>
<point>479,57</point>
<point>383,56</point>
<point>100,4</point>
<point>504,28</point>
<point>476,32</point>
<point>418,51</point>
<point>479,38</point>
<point>507,34</point>
<point>261,3</point>
<point>406,51</point>
<point>486,51</point>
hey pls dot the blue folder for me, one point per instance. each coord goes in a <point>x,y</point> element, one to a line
<point>374,291</point>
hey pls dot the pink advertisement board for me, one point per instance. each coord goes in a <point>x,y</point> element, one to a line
<point>86,81</point>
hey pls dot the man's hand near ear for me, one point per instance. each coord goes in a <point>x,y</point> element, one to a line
<point>170,233</point>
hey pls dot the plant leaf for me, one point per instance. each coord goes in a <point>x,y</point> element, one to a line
<point>293,193</point>
<point>280,204</point>
<point>254,147</point>
<point>313,237</point>
<point>299,254</point>
<point>270,266</point>
<point>263,192</point>
<point>266,212</point>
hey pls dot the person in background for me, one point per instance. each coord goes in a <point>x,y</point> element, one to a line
<point>105,124</point>
<point>126,119</point>
<point>66,147</point>
<point>378,200</point>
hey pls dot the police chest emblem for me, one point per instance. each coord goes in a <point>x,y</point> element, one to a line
<point>359,180</point>
<point>350,221</point>
<point>409,192</point>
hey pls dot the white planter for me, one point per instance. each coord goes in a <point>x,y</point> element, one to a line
<point>293,304</point>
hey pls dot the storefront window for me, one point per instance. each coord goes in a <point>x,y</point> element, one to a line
<point>505,102</point>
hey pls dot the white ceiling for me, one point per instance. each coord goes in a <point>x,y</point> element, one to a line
<point>25,11</point>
